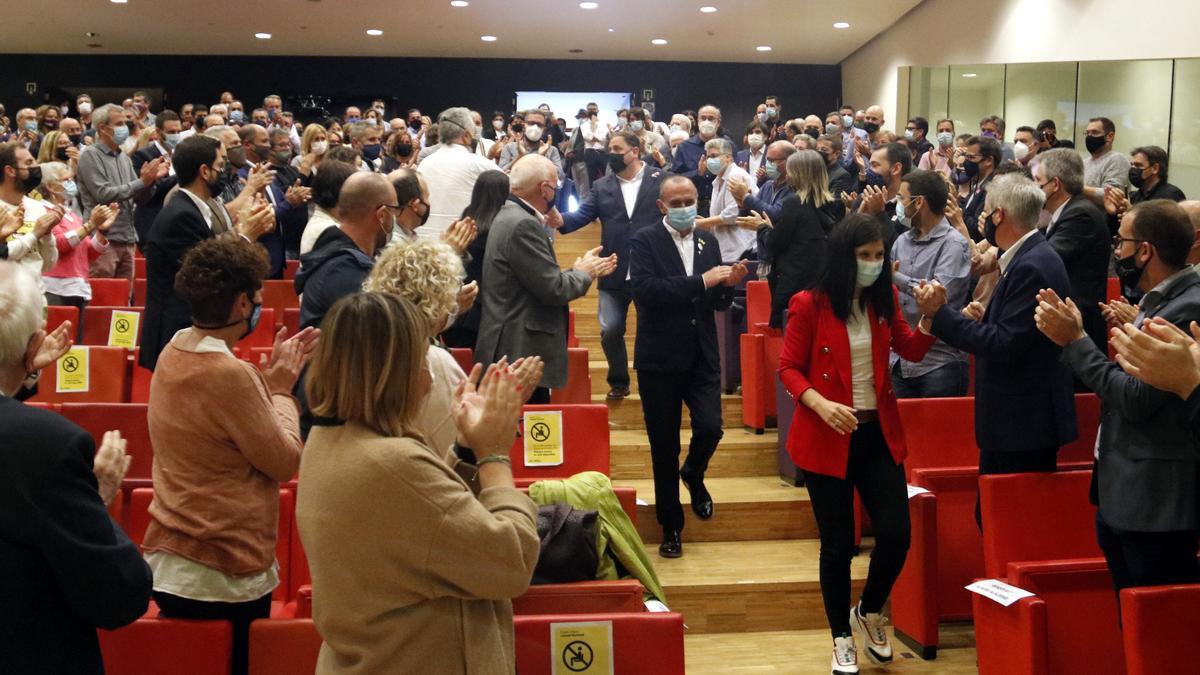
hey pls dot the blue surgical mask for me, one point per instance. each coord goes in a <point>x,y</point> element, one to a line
<point>682,218</point>
<point>237,116</point>
<point>847,121</point>
<point>772,170</point>
<point>771,112</point>
<point>31,125</point>
<point>255,314</point>
<point>714,165</point>
<point>171,141</point>
<point>945,139</point>
<point>635,125</point>
<point>868,272</point>
<point>874,179</point>
<point>121,134</point>
<point>70,188</point>
<point>909,134</point>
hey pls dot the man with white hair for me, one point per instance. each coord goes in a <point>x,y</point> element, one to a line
<point>70,569</point>
<point>1024,401</point>
<point>526,295</point>
<point>736,242</point>
<point>451,171</point>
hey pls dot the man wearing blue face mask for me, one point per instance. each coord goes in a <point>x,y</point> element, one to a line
<point>842,122</point>
<point>678,281</point>
<point>769,199</point>
<point>168,126</point>
<point>736,243</point>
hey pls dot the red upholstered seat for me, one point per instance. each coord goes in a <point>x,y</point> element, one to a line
<point>264,333</point>
<point>585,443</point>
<point>153,646</point>
<point>1152,618</point>
<point>130,420</point>
<point>579,379</point>
<point>108,379</point>
<point>283,646</point>
<point>642,643</point>
<point>585,597</point>
<point>57,314</point>
<point>97,321</point>
<point>111,292</point>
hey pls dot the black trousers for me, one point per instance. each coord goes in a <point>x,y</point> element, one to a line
<point>991,462</point>
<point>881,484</point>
<point>240,614</point>
<point>663,396</point>
<point>540,396</point>
<point>1148,558</point>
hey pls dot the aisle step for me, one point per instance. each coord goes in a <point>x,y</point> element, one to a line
<point>747,586</point>
<point>627,413</point>
<point>793,652</point>
<point>740,454</point>
<point>744,509</point>
<point>599,372</point>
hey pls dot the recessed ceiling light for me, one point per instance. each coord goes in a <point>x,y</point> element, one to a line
<point>588,5</point>
<point>488,38</point>
<point>658,41</point>
<point>263,36</point>
<point>119,2</point>
<point>969,75</point>
<point>90,34</point>
<point>841,24</point>
<point>763,48</point>
<point>374,32</point>
<point>459,3</point>
<point>708,9</point>
<point>612,30</point>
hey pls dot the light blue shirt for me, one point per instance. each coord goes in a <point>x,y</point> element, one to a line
<point>942,255</point>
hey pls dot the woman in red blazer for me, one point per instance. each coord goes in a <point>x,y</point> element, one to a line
<point>846,430</point>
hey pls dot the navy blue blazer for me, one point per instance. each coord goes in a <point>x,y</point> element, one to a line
<point>676,329</point>
<point>606,202</point>
<point>1023,394</point>
<point>144,214</point>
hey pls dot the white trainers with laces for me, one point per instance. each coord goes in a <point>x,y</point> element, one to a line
<point>845,656</point>
<point>875,638</point>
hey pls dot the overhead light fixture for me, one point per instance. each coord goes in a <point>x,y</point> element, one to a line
<point>588,5</point>
<point>612,30</point>
<point>708,9</point>
<point>374,32</point>
<point>969,75</point>
<point>459,3</point>
<point>841,24</point>
<point>763,48</point>
<point>488,38</point>
<point>263,36</point>
<point>658,41</point>
<point>119,2</point>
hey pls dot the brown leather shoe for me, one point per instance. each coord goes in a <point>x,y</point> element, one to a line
<point>617,393</point>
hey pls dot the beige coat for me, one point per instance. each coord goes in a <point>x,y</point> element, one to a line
<point>411,572</point>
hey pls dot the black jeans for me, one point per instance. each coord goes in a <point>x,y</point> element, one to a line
<point>1148,558</point>
<point>240,614</point>
<point>881,484</point>
<point>991,462</point>
<point>540,396</point>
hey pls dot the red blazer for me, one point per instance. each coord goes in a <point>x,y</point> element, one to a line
<point>816,355</point>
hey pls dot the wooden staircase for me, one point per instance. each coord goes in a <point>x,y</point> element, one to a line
<point>747,583</point>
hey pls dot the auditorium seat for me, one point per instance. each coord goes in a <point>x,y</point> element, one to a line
<point>758,305</point>
<point>1087,422</point>
<point>290,268</point>
<point>1113,291</point>
<point>110,292</point>
<point>1156,640</point>
<point>139,267</point>
<point>759,349</point>
<point>108,379</point>
<point>291,320</point>
<point>283,646</point>
<point>584,437</point>
<point>130,420</point>
<point>585,597</point>
<point>572,341</point>
<point>57,314</point>
<point>465,357</point>
<point>97,323</point>
<point>138,518</point>
<point>153,646</point>
<point>643,643</point>
<point>1036,516</point>
<point>264,333</point>
<point>139,380</point>
<point>579,379</point>
<point>279,294</point>
<point>139,292</point>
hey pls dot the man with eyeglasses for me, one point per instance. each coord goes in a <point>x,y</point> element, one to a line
<point>982,156</point>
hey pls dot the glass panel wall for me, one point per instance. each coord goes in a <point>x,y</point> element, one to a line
<point>1184,168</point>
<point>927,94</point>
<point>1135,95</point>
<point>975,92</point>
<point>1037,91</point>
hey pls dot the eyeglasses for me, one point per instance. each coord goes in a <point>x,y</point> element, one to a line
<point>1118,240</point>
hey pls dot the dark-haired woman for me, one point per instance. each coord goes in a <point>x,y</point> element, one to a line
<point>846,431</point>
<point>489,194</point>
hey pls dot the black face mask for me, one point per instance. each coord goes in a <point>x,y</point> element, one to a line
<point>1135,177</point>
<point>870,127</point>
<point>1127,270</point>
<point>518,128</point>
<point>989,229</point>
<point>60,154</point>
<point>616,161</point>
<point>425,216</point>
<point>76,139</point>
<point>404,149</point>
<point>262,152</point>
<point>1094,143</point>
<point>33,180</point>
<point>813,133</point>
<point>971,169</point>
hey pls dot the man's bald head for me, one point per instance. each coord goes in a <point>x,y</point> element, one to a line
<point>362,194</point>
<point>1192,208</point>
<point>676,191</point>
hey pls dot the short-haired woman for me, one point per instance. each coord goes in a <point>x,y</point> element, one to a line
<point>225,436</point>
<point>313,145</point>
<point>411,571</point>
<point>846,432</point>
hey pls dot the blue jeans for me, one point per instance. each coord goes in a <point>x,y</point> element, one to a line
<point>614,310</point>
<point>948,380</point>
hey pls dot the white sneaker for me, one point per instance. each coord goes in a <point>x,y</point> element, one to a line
<point>875,638</point>
<point>845,656</point>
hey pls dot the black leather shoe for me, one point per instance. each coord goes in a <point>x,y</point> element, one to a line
<point>618,393</point>
<point>702,503</point>
<point>671,546</point>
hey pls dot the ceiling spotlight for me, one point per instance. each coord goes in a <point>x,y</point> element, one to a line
<point>90,34</point>
<point>488,38</point>
<point>841,24</point>
<point>708,9</point>
<point>459,3</point>
<point>658,41</point>
<point>588,5</point>
<point>374,32</point>
<point>119,2</point>
<point>763,48</point>
<point>969,75</point>
<point>612,30</point>
<point>263,36</point>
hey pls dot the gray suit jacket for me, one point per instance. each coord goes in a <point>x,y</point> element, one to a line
<point>1146,472</point>
<point>525,298</point>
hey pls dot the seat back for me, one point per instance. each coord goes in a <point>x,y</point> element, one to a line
<point>572,340</point>
<point>156,646</point>
<point>283,646</point>
<point>129,419</point>
<point>298,573</point>
<point>1087,421</point>
<point>1081,614</point>
<point>108,378</point>
<point>1151,619</point>
<point>97,323</point>
<point>280,294</point>
<point>139,292</point>
<point>290,268</point>
<point>585,597</point>
<point>579,380</point>
<point>264,333</point>
<point>139,380</point>
<point>940,433</point>
<point>584,431</point>
<point>959,544</point>
<point>139,266</point>
<point>758,305</point>
<point>642,644</point>
<point>1113,289</point>
<point>110,292</point>
<point>57,314</point>
<point>465,357</point>
<point>138,518</point>
<point>1036,516</point>
<point>291,320</point>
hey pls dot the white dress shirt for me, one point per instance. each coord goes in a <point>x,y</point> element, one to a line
<point>754,160</point>
<point>733,240</point>
<point>1011,253</point>
<point>593,140</point>
<point>450,174</point>
<point>1054,217</point>
<point>630,188</point>
<point>685,243</point>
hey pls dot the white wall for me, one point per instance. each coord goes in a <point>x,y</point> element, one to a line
<point>941,32</point>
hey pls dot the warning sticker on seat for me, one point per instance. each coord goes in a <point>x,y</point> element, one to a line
<point>581,647</point>
<point>998,591</point>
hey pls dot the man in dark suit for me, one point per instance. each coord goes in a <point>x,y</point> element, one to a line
<point>168,125</point>
<point>678,281</point>
<point>983,155</point>
<point>257,148</point>
<point>624,201</point>
<point>1145,478</point>
<point>66,568</point>
<point>1079,234</point>
<point>191,215</point>
<point>840,180</point>
<point>1024,404</point>
<point>525,299</point>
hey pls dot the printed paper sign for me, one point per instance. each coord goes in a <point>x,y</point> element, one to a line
<point>123,329</point>
<point>543,438</point>
<point>998,591</point>
<point>581,647</point>
<point>913,491</point>
<point>73,370</point>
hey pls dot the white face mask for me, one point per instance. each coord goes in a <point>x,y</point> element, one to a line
<point>533,132</point>
<point>319,147</point>
<point>497,124</point>
<point>85,108</point>
<point>708,127</point>
<point>1020,150</point>
<point>755,141</point>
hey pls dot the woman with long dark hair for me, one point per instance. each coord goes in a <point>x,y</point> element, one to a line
<point>846,432</point>
<point>489,194</point>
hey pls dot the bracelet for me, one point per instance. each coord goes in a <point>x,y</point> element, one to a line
<point>494,458</point>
